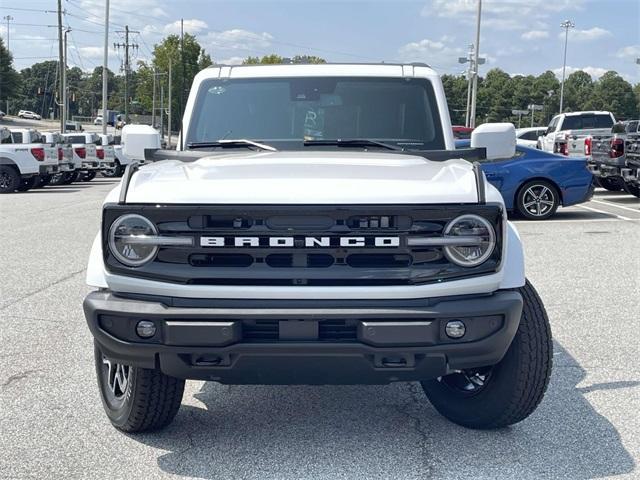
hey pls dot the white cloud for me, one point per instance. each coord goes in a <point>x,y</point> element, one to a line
<point>231,61</point>
<point>535,35</point>
<point>94,52</point>
<point>236,39</point>
<point>121,10</point>
<point>595,72</point>
<point>434,52</point>
<point>630,51</point>
<point>510,12</point>
<point>594,33</point>
<point>190,26</point>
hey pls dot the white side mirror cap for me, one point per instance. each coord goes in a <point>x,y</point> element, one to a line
<point>498,138</point>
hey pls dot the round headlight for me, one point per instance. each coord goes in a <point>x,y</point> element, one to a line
<point>124,236</point>
<point>470,226</point>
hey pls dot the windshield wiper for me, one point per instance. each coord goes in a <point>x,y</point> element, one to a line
<point>232,143</point>
<point>351,142</point>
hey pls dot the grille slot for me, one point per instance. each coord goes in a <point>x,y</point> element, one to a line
<point>375,260</point>
<point>328,331</point>
<point>221,260</point>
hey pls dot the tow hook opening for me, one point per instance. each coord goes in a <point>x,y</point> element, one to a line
<point>207,360</point>
<point>394,360</point>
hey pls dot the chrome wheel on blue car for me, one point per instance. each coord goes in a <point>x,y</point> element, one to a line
<point>537,200</point>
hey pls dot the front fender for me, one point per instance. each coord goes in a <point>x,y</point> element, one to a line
<point>513,269</point>
<point>95,268</point>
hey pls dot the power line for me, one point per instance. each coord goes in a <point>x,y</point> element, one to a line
<point>29,9</point>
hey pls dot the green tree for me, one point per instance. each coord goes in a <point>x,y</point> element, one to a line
<point>495,97</point>
<point>578,91</point>
<point>613,93</point>
<point>38,90</point>
<point>9,78</point>
<point>267,59</point>
<point>275,59</point>
<point>455,89</point>
<point>165,54</point>
<point>546,92</point>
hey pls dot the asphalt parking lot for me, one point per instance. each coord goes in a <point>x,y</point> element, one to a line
<point>584,263</point>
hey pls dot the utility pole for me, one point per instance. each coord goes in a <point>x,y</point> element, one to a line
<point>169,115</point>
<point>65,93</point>
<point>8,18</point>
<point>61,69</point>
<point>127,66</point>
<point>153,101</point>
<point>182,80</point>
<point>474,92</point>
<point>161,111</point>
<point>567,24</point>
<point>105,66</point>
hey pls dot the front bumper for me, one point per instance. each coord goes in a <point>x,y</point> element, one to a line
<point>296,342</point>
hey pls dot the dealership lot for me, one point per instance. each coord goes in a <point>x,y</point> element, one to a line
<point>584,263</point>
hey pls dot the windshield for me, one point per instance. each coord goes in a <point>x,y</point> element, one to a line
<point>287,111</point>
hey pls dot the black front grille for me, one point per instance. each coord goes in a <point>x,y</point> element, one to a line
<point>323,262</point>
<point>328,331</point>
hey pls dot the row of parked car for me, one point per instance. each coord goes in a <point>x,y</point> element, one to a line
<point>596,136</point>
<point>32,159</point>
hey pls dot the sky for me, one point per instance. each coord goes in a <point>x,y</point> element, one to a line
<point>518,36</point>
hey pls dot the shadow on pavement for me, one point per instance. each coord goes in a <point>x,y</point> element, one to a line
<point>53,190</point>
<point>386,432</point>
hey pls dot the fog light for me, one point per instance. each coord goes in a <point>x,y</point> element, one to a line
<point>455,329</point>
<point>146,329</point>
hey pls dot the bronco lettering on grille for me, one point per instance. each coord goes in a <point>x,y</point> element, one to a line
<point>299,242</point>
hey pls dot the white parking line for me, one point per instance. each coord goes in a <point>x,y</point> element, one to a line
<point>611,204</point>
<point>602,211</point>
<point>574,220</point>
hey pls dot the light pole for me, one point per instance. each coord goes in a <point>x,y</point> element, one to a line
<point>567,24</point>
<point>105,67</point>
<point>474,91</point>
<point>8,18</point>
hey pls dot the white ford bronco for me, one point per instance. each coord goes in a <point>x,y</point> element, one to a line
<point>318,227</point>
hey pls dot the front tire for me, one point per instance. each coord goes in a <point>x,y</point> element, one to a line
<point>537,200</point>
<point>506,393</point>
<point>137,399</point>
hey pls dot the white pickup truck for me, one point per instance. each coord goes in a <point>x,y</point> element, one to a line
<point>88,148</point>
<point>22,164</point>
<point>319,228</point>
<point>568,133</point>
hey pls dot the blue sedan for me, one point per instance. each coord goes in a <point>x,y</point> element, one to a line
<point>535,183</point>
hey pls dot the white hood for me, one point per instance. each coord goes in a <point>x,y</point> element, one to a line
<point>305,178</point>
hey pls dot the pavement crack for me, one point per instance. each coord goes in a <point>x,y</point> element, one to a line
<point>417,426</point>
<point>42,289</point>
<point>18,376</point>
